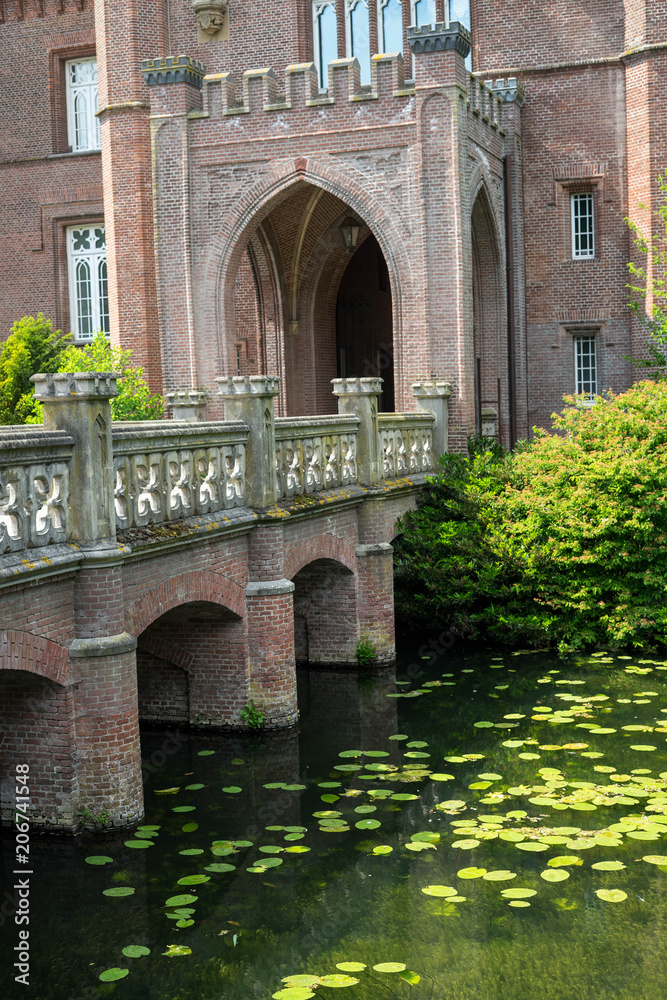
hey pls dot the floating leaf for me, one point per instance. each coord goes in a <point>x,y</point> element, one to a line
<point>518,903</point>
<point>138,844</point>
<point>99,859</point>
<point>183,809</point>
<point>234,789</point>
<point>177,950</point>
<point>532,845</point>
<point>518,893</point>
<point>182,900</point>
<point>112,975</point>
<point>351,966</point>
<point>297,850</point>
<point>119,890</point>
<point>417,846</point>
<point>389,967</point>
<point>502,875</point>
<point>554,875</point>
<point>135,951</point>
<point>609,866</point>
<point>655,859</point>
<point>336,982</point>
<point>293,788</point>
<point>190,827</point>
<point>563,861</point>
<point>611,895</point>
<point>301,979</point>
<point>471,872</point>
<point>368,824</point>
<point>271,849</point>
<point>439,890</point>
<point>465,845</point>
<point>192,851</point>
<point>642,746</point>
<point>409,977</point>
<point>193,880</point>
<point>205,753</point>
<point>167,791</point>
<point>383,849</point>
<point>193,788</point>
<point>293,993</point>
<point>483,725</point>
<point>220,868</point>
<point>279,784</point>
<point>438,776</point>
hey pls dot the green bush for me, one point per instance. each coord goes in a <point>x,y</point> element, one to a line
<point>563,543</point>
<point>134,400</point>
<point>32,346</point>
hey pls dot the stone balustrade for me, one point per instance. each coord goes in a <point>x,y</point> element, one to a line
<point>81,477</point>
<point>163,472</point>
<point>406,444</point>
<point>315,454</point>
<point>34,487</point>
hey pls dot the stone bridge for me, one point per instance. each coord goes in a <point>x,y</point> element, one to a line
<point>176,570</point>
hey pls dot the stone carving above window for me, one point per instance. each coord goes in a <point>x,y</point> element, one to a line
<point>211,17</point>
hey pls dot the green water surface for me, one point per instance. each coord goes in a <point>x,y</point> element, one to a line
<point>498,784</point>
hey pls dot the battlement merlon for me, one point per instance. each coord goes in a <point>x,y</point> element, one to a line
<point>484,102</point>
<point>261,94</point>
<point>173,69</point>
<point>509,91</point>
<point>440,51</point>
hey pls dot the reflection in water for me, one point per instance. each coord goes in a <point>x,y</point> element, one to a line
<point>513,765</point>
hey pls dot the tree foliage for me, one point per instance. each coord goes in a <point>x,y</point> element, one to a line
<point>563,543</point>
<point>32,346</point>
<point>134,400</point>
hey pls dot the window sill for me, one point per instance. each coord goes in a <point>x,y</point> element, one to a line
<point>78,152</point>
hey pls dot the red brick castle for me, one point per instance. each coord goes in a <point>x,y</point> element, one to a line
<point>402,188</point>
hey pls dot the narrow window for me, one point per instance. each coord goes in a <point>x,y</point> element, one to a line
<point>83,128</point>
<point>585,367</point>
<point>583,235</point>
<point>391,26</point>
<point>423,12</point>
<point>358,37</point>
<point>325,39</point>
<point>87,268</point>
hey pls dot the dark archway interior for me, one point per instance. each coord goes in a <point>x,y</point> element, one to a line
<point>364,338</point>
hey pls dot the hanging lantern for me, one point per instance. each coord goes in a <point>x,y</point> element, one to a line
<point>349,231</point>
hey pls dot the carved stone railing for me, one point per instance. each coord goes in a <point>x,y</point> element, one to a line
<point>315,454</point>
<point>406,444</point>
<point>163,472</point>
<point>34,487</point>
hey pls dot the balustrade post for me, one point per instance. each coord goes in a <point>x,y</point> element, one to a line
<point>359,397</point>
<point>79,403</point>
<point>188,404</point>
<point>432,396</point>
<point>250,398</point>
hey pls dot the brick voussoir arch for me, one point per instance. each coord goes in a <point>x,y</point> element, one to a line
<point>34,654</point>
<point>185,588</point>
<point>319,547</point>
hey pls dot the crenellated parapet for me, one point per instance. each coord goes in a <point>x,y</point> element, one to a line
<point>508,91</point>
<point>484,102</point>
<point>261,91</point>
<point>440,37</point>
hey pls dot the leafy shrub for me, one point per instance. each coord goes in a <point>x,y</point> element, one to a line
<point>134,400</point>
<point>564,543</point>
<point>646,280</point>
<point>32,346</point>
<point>366,652</point>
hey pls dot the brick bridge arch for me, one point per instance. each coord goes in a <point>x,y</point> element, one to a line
<point>319,547</point>
<point>34,654</point>
<point>185,588</point>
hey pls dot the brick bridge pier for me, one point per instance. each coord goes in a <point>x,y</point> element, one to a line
<point>176,570</point>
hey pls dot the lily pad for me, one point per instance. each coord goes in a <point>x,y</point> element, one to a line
<point>439,890</point>
<point>389,967</point>
<point>234,789</point>
<point>119,890</point>
<point>338,981</point>
<point>353,966</point>
<point>193,880</point>
<point>554,875</point>
<point>518,893</point>
<point>368,824</point>
<point>293,993</point>
<point>383,849</point>
<point>99,859</point>
<point>655,859</point>
<point>471,872</point>
<point>181,900</point>
<point>608,866</point>
<point>177,950</point>
<point>113,975</point>
<point>135,951</point>
<point>138,844</point>
<point>532,845</point>
<point>301,979</point>
<point>611,895</point>
<point>501,875</point>
<point>222,867</point>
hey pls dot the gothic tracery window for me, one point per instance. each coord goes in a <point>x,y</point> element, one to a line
<point>87,271</point>
<point>83,128</point>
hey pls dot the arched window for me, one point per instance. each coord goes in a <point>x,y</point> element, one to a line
<point>83,128</point>
<point>88,293</point>
<point>325,39</point>
<point>358,37</point>
<point>423,12</point>
<point>390,31</point>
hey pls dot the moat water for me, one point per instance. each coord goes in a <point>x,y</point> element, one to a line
<point>527,795</point>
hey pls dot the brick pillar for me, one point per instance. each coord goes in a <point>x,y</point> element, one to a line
<point>441,92</point>
<point>128,31</point>
<point>359,397</point>
<point>102,655</point>
<point>270,628</point>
